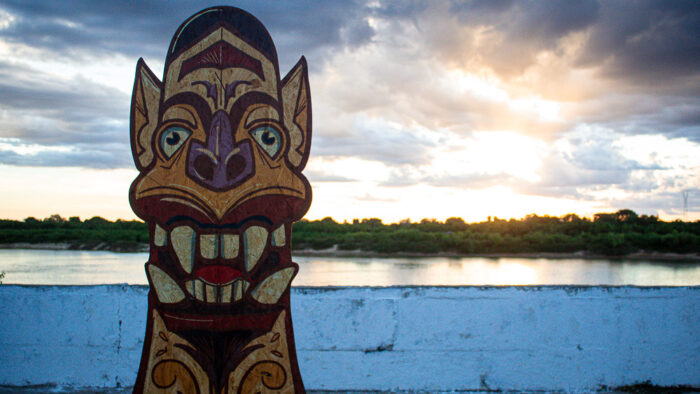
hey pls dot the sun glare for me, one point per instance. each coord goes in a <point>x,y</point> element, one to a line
<point>490,89</point>
<point>491,153</point>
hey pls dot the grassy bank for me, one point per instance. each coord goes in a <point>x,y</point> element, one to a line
<point>607,234</point>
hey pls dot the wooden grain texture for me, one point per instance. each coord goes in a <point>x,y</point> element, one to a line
<point>220,144</point>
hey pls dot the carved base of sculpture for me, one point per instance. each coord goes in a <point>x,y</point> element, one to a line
<point>254,361</point>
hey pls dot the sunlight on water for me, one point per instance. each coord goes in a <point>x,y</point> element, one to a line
<point>87,267</point>
<point>477,271</point>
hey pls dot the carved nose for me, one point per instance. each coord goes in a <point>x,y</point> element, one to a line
<point>220,163</point>
<point>204,167</point>
<point>235,166</point>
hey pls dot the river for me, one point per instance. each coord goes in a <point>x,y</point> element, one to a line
<point>68,267</point>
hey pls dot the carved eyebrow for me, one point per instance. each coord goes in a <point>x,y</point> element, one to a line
<point>200,106</point>
<point>179,113</point>
<point>263,112</point>
<point>210,87</point>
<point>231,89</point>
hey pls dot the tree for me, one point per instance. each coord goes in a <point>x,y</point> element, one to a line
<point>626,215</point>
<point>55,218</point>
<point>571,218</point>
<point>456,223</point>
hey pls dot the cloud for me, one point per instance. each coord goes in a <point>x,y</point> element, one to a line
<point>85,28</point>
<point>144,29</point>
<point>472,181</point>
<point>44,111</point>
<point>319,176</point>
<point>80,155</point>
<point>378,140</point>
<point>628,172</point>
<point>646,42</point>
<point>628,66</point>
<point>667,202</point>
<point>546,98</point>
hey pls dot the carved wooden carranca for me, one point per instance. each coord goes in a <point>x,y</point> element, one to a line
<point>220,144</point>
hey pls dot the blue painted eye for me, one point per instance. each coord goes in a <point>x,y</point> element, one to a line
<point>269,139</point>
<point>172,139</point>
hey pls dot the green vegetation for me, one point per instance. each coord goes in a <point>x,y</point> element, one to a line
<point>612,234</point>
<point>618,233</point>
<point>119,235</point>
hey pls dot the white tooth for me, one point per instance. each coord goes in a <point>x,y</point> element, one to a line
<point>211,293</point>
<point>198,289</point>
<point>208,245</point>
<point>246,284</point>
<point>229,245</point>
<point>190,287</point>
<point>237,290</point>
<point>278,237</point>
<point>183,238</point>
<point>160,237</point>
<point>226,293</point>
<point>254,241</point>
<point>271,288</point>
<point>166,288</point>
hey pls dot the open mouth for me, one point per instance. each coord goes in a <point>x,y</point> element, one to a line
<point>218,266</point>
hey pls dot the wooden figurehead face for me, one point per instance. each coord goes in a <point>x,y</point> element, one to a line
<point>220,145</point>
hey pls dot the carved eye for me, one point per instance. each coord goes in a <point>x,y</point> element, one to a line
<point>172,139</point>
<point>268,138</point>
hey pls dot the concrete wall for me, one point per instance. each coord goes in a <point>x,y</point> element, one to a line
<point>420,338</point>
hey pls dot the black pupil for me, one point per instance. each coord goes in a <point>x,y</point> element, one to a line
<point>173,138</point>
<point>268,138</point>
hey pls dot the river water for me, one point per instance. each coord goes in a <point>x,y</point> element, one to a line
<point>68,267</point>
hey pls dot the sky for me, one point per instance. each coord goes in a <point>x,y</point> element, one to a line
<point>421,109</point>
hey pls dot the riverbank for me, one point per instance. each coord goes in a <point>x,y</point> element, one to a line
<point>135,247</point>
<point>117,247</point>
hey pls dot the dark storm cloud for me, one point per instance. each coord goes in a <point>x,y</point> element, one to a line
<point>22,87</point>
<point>646,41</point>
<point>675,116</point>
<point>527,27</point>
<point>95,28</point>
<point>40,109</point>
<point>88,28</point>
<point>642,41</point>
<point>71,122</point>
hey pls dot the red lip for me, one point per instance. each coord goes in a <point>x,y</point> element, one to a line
<point>218,274</point>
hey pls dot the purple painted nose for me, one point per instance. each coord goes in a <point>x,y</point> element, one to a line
<point>220,164</point>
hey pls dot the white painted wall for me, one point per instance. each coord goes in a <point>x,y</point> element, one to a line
<point>419,338</point>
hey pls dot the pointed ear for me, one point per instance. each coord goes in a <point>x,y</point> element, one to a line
<point>296,98</point>
<point>145,100</point>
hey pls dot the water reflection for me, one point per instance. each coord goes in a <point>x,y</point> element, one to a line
<point>358,271</point>
<point>79,267</point>
<point>64,267</point>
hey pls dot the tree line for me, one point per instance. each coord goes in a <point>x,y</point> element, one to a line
<point>612,234</point>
